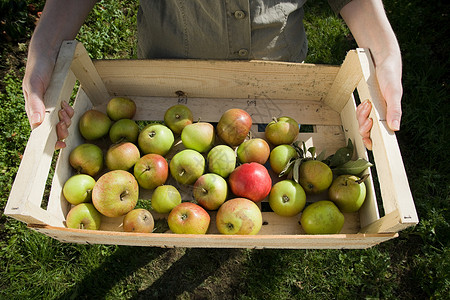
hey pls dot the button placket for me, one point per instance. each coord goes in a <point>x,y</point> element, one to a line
<point>239,29</point>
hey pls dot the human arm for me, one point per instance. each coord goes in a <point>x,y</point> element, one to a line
<point>60,20</point>
<point>371,29</point>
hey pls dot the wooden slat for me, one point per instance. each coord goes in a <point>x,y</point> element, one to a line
<point>335,241</point>
<point>395,191</point>
<point>217,79</point>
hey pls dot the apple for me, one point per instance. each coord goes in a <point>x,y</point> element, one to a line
<point>221,160</point>
<point>251,181</point>
<point>94,124</point>
<point>210,191</point>
<point>115,193</point>
<point>287,198</point>
<point>121,108</point>
<point>78,189</point>
<point>151,170</point>
<point>165,198</point>
<point>315,176</point>
<point>348,192</point>
<point>253,150</point>
<point>187,166</point>
<point>138,220</point>
<point>239,216</point>
<point>87,159</point>
<point>124,130</point>
<point>122,156</point>
<point>322,217</point>
<point>83,216</point>
<point>283,130</point>
<point>233,126</point>
<point>177,117</point>
<point>198,136</point>
<point>155,138</point>
<point>280,157</point>
<point>189,218</point>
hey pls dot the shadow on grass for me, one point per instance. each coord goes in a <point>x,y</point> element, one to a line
<point>157,273</point>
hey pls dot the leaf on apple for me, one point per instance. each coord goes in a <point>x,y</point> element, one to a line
<point>296,169</point>
<point>353,167</point>
<point>342,155</point>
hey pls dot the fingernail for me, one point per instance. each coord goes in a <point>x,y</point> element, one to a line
<point>35,119</point>
<point>395,125</point>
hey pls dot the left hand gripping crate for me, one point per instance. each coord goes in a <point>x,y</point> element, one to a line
<point>318,95</point>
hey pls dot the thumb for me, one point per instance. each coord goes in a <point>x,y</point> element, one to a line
<point>394,109</point>
<point>35,109</point>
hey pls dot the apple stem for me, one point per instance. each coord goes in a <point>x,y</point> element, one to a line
<point>125,193</point>
<point>230,226</point>
<point>181,173</point>
<point>184,216</point>
<point>275,119</point>
<point>362,179</point>
<point>204,191</point>
<point>152,134</point>
<point>81,225</point>
<point>285,199</point>
<point>177,116</point>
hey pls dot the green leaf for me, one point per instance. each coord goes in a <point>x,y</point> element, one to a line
<point>296,169</point>
<point>342,155</point>
<point>353,167</point>
<point>312,150</point>
<point>321,156</point>
<point>288,165</point>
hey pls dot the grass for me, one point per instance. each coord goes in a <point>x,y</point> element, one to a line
<point>414,266</point>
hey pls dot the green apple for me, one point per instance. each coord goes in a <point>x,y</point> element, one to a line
<point>239,216</point>
<point>187,166</point>
<point>151,170</point>
<point>322,217</point>
<point>348,192</point>
<point>221,160</point>
<point>156,138</point>
<point>177,117</point>
<point>122,156</point>
<point>234,126</point>
<point>115,193</point>
<point>198,136</point>
<point>210,191</point>
<point>138,220</point>
<point>287,198</point>
<point>280,157</point>
<point>87,159</point>
<point>83,216</point>
<point>189,218</point>
<point>78,189</point>
<point>121,108</point>
<point>315,176</point>
<point>124,130</point>
<point>283,130</point>
<point>94,124</point>
<point>165,198</point>
<point>253,150</point>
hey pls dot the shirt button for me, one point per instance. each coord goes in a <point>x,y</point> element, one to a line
<point>243,52</point>
<point>239,14</point>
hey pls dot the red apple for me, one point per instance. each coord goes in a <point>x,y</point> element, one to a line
<point>87,159</point>
<point>233,126</point>
<point>122,156</point>
<point>121,108</point>
<point>115,193</point>
<point>177,117</point>
<point>239,216</point>
<point>282,130</point>
<point>253,150</point>
<point>94,124</point>
<point>151,171</point>
<point>189,218</point>
<point>251,181</point>
<point>138,220</point>
<point>210,191</point>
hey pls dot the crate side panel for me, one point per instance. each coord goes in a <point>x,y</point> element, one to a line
<point>217,79</point>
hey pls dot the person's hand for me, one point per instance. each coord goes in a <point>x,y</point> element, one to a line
<point>35,82</point>
<point>389,79</point>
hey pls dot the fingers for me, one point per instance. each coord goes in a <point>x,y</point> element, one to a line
<point>365,123</point>
<point>65,114</point>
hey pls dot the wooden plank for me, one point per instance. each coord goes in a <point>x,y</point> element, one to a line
<point>29,184</point>
<point>388,223</point>
<point>334,241</point>
<point>261,110</point>
<point>217,79</point>
<point>88,76</point>
<point>395,191</point>
<point>345,82</point>
<point>369,211</point>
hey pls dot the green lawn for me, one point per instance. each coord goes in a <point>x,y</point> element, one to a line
<point>416,265</point>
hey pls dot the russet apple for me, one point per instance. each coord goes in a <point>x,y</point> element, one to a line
<point>283,130</point>
<point>251,181</point>
<point>121,108</point>
<point>322,217</point>
<point>124,130</point>
<point>115,193</point>
<point>239,216</point>
<point>315,176</point>
<point>94,124</point>
<point>234,126</point>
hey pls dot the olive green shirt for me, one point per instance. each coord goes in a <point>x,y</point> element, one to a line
<point>227,29</point>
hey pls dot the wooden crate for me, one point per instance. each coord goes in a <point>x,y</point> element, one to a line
<point>318,95</point>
